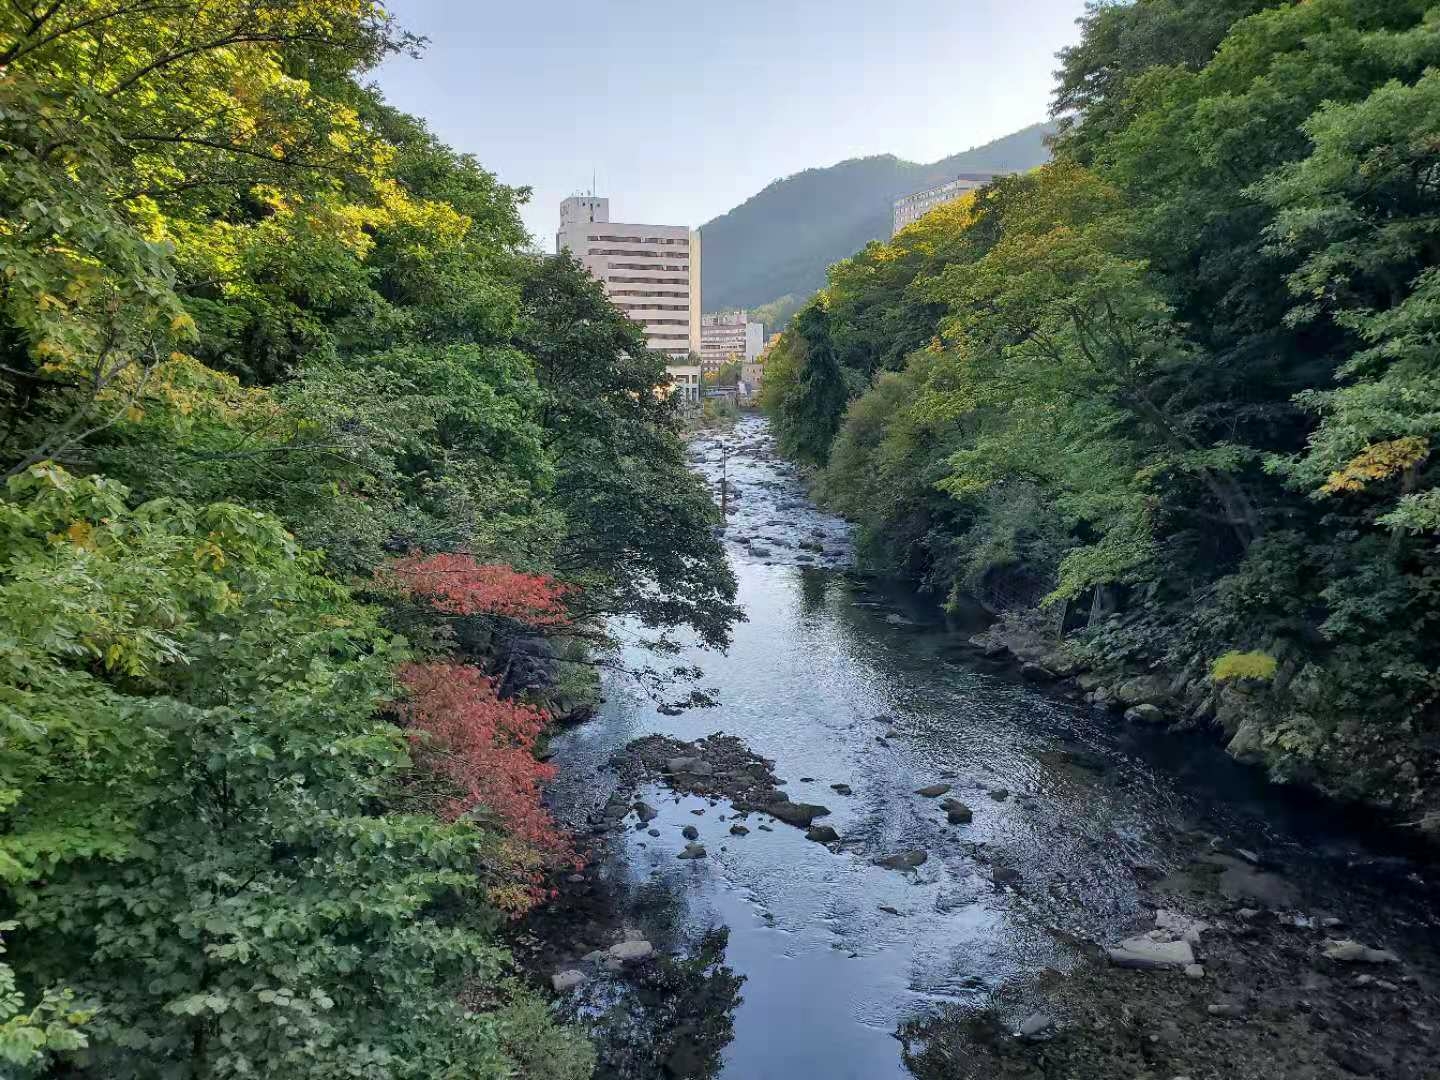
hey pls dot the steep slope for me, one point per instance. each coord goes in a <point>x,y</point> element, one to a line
<point>782,239</point>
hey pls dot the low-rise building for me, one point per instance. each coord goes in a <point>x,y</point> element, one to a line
<point>912,207</point>
<point>729,335</point>
<point>685,381</point>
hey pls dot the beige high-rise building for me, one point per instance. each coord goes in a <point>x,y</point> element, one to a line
<point>650,272</point>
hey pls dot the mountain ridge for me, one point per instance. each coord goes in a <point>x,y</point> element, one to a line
<point>780,240</point>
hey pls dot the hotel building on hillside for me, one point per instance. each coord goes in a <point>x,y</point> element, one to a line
<point>650,272</point>
<point>912,207</point>
<point>729,335</point>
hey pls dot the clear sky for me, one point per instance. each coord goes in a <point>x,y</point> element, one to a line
<point>681,110</point>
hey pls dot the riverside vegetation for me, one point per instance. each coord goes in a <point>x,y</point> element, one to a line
<point>318,493</point>
<point>1168,405</point>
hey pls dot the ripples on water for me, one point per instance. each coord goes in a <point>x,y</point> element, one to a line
<point>829,976</point>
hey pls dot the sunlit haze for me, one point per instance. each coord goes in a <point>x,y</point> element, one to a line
<point>679,112</point>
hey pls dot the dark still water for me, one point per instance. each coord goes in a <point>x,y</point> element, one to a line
<point>1071,800</point>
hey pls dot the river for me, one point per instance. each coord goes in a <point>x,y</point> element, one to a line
<point>1072,800</point>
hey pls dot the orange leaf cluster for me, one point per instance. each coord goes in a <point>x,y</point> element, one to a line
<point>459,585</point>
<point>483,744</point>
<point>1378,461</point>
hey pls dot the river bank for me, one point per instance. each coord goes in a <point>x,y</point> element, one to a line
<point>779,955</point>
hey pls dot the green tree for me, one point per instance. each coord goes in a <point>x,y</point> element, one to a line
<point>196,834</point>
<point>639,524</point>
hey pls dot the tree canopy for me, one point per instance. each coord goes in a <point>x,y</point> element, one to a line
<point>1174,392</point>
<point>300,445</point>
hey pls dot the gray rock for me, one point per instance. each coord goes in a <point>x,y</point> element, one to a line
<point>933,791</point>
<point>1145,714</point>
<point>1036,672</point>
<point>999,794</point>
<point>1228,1009</point>
<point>645,811</point>
<point>1004,875</point>
<point>631,952</point>
<point>1143,690</point>
<point>693,765</point>
<point>690,832</point>
<point>1248,742</point>
<point>1239,881</point>
<point>565,981</point>
<point>1151,952</point>
<point>1346,951</point>
<point>840,789</point>
<point>653,832</point>
<point>903,860</point>
<point>957,813</point>
<point>802,814</point>
<point>1180,926</point>
<point>1036,1026</point>
<point>822,834</point>
<point>693,851</point>
<point>739,830</point>
<point>1194,971</point>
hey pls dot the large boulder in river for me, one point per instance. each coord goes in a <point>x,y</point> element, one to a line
<point>1151,952</point>
<point>1353,952</point>
<point>565,981</point>
<point>693,765</point>
<point>903,860</point>
<point>1145,714</point>
<point>956,812</point>
<point>797,813</point>
<point>822,834</point>
<point>932,791</point>
<point>1243,883</point>
<point>1143,690</point>
<point>632,952</point>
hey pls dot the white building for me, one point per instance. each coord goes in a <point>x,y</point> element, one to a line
<point>728,335</point>
<point>912,207</point>
<point>650,272</point>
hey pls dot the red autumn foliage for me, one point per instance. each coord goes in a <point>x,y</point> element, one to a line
<point>484,745</point>
<point>458,585</point>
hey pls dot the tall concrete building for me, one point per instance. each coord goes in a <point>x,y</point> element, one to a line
<point>650,272</point>
<point>909,208</point>
<point>729,335</point>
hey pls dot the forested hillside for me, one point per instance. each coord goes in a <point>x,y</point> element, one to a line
<point>780,241</point>
<point>317,493</point>
<point>1168,405</point>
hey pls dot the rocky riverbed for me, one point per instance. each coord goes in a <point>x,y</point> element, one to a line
<point>886,853</point>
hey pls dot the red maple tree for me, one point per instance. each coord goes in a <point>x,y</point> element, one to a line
<point>460,585</point>
<point>484,745</point>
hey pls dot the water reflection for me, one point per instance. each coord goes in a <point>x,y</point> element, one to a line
<point>836,953</point>
<point>674,1018</point>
